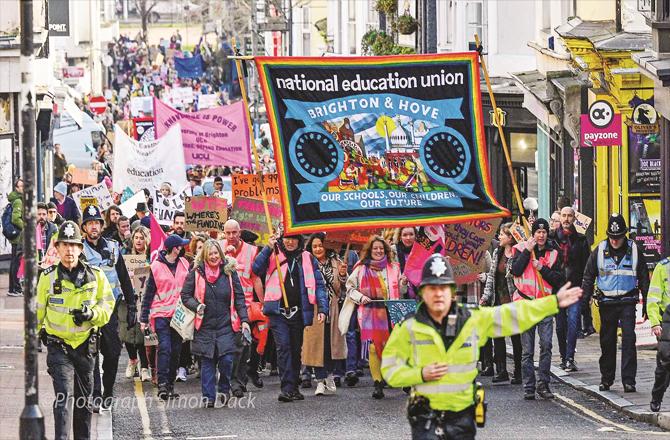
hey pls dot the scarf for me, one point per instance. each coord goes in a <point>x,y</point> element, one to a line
<point>373,319</point>
<point>326,270</point>
<point>564,237</point>
<point>212,274</point>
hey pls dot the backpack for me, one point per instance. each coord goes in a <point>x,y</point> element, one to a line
<point>9,230</point>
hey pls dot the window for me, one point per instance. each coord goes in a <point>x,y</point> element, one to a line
<point>352,27</point>
<point>305,18</point>
<point>306,44</point>
<point>475,15</point>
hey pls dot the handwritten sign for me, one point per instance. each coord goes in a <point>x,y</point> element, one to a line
<point>206,213</point>
<point>582,222</point>
<point>355,239</point>
<point>99,193</point>
<point>165,207</point>
<point>250,214</point>
<point>249,186</point>
<point>84,177</point>
<point>399,308</point>
<point>134,262</point>
<point>468,242</point>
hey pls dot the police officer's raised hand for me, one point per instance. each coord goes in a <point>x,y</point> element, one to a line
<point>656,331</point>
<point>530,244</point>
<point>567,295</point>
<point>434,371</point>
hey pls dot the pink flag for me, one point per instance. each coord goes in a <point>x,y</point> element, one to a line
<point>415,260</point>
<point>157,237</point>
<point>216,136</point>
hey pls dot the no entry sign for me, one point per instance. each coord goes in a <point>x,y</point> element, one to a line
<point>98,104</point>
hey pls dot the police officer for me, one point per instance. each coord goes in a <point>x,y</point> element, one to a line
<point>619,270</point>
<point>73,299</point>
<point>105,254</point>
<point>658,300</point>
<point>436,351</point>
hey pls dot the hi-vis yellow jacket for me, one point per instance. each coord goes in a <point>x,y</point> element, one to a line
<point>414,344</point>
<point>53,307</point>
<point>658,297</point>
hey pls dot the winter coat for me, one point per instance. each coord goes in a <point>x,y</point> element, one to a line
<point>216,329</point>
<point>16,199</point>
<point>314,336</point>
<point>578,254</point>
<point>489,297</point>
<point>133,335</point>
<point>68,209</point>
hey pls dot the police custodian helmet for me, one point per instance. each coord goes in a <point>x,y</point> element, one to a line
<point>437,271</point>
<point>616,227</point>
<point>69,233</point>
<point>92,212</point>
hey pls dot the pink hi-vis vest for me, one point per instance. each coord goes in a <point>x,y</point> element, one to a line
<point>168,288</point>
<point>527,283</point>
<point>245,259</point>
<point>200,287</point>
<point>392,275</point>
<point>272,288</point>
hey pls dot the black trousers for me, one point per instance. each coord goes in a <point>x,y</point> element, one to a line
<point>17,252</point>
<point>110,348</point>
<point>238,381</point>
<point>457,426</point>
<point>185,358</point>
<point>661,381</point>
<point>500,353</point>
<point>71,370</point>
<point>610,317</point>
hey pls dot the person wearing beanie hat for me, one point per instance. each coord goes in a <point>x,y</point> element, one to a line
<point>65,205</point>
<point>53,215</point>
<point>619,269</point>
<point>537,273</point>
<point>443,398</point>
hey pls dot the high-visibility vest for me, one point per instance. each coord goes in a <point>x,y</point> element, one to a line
<point>54,306</point>
<point>168,288</point>
<point>414,344</point>
<point>199,294</point>
<point>107,265</point>
<point>617,279</point>
<point>528,283</point>
<point>392,279</point>
<point>272,288</point>
<point>260,325</point>
<point>658,297</point>
<point>245,258</point>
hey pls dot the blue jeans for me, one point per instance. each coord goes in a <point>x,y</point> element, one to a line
<point>567,326</point>
<point>169,349</point>
<point>545,331</point>
<point>354,360</point>
<point>287,334</point>
<point>208,369</point>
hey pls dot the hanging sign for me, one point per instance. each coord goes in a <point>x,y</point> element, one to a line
<point>601,126</point>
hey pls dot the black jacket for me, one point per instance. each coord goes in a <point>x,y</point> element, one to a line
<point>578,254</point>
<point>553,275</point>
<point>664,340</point>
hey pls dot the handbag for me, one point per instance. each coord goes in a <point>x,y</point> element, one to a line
<point>183,321</point>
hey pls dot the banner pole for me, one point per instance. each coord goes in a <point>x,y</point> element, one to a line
<point>259,171</point>
<point>508,157</point>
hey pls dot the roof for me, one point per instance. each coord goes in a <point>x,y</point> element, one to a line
<point>588,30</point>
<point>660,68</point>
<point>625,41</point>
<point>502,85</point>
<point>534,82</point>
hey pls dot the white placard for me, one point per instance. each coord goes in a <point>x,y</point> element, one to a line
<point>99,191</point>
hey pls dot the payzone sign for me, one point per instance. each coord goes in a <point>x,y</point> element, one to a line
<point>601,126</point>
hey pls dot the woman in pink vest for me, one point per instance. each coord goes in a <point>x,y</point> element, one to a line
<point>213,291</point>
<point>375,279</point>
<point>168,273</point>
<point>290,307</point>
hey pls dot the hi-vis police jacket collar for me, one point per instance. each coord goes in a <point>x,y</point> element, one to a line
<point>58,294</point>
<point>414,344</point>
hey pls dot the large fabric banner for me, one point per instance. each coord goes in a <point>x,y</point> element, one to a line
<point>216,136</point>
<point>139,165</point>
<point>378,141</point>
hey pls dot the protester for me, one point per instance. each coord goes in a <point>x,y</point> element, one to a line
<point>403,247</point>
<point>658,300</point>
<point>555,222</point>
<point>139,244</point>
<point>194,247</point>
<point>53,215</point>
<point>122,231</point>
<point>179,225</point>
<point>619,268</point>
<point>68,331</point>
<point>59,164</point>
<point>15,199</point>
<point>324,347</point>
<point>65,205</point>
<point>213,291</point>
<point>45,230</point>
<point>537,273</point>
<point>574,250</point>
<point>141,211</point>
<point>375,278</point>
<point>499,290</point>
<point>112,215</point>
<point>290,307</point>
<point>168,274</point>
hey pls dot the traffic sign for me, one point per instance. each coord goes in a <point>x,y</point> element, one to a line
<point>98,104</point>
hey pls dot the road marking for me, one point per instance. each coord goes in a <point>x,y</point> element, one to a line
<point>165,425</point>
<point>212,437</point>
<point>142,407</point>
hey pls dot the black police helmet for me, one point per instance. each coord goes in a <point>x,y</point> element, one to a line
<point>437,271</point>
<point>616,227</point>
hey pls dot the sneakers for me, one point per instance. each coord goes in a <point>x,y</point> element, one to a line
<point>529,395</point>
<point>131,369</point>
<point>285,397</point>
<point>545,393</point>
<point>570,366</point>
<point>145,375</point>
<point>351,378</point>
<point>628,388</point>
<point>562,365</point>
<point>297,395</point>
<point>181,374</point>
<point>15,293</point>
<point>320,388</point>
<point>516,378</point>
<point>331,388</point>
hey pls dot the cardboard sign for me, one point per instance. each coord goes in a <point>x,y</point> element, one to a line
<point>250,214</point>
<point>354,239</point>
<point>166,207</point>
<point>134,262</point>
<point>99,193</point>
<point>582,222</point>
<point>206,213</point>
<point>139,278</point>
<point>84,177</point>
<point>249,186</point>
<point>468,242</point>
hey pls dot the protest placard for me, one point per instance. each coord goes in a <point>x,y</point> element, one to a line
<point>468,242</point>
<point>139,279</point>
<point>354,239</point>
<point>134,262</point>
<point>128,207</point>
<point>250,214</point>
<point>208,101</point>
<point>206,213</point>
<point>182,95</point>
<point>249,186</point>
<point>141,106</point>
<point>165,207</point>
<point>582,222</point>
<point>84,176</point>
<point>98,192</point>
<point>85,202</point>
